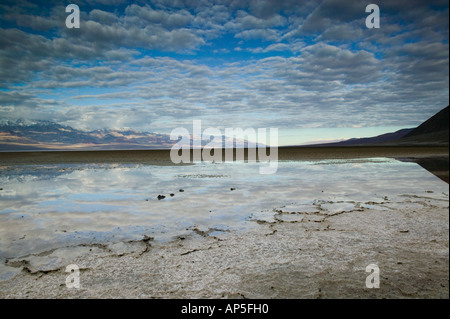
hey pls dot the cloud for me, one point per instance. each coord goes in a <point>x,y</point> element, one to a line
<point>320,66</point>
<point>245,21</point>
<point>24,54</point>
<point>333,11</point>
<point>107,2</point>
<point>103,17</point>
<point>150,37</point>
<point>265,34</point>
<point>25,105</point>
<point>147,16</point>
<point>159,65</point>
<point>272,47</point>
<point>342,32</point>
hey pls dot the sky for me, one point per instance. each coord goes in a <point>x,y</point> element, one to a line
<point>312,69</point>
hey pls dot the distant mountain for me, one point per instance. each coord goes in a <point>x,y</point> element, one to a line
<point>21,135</point>
<point>47,135</point>
<point>388,137</point>
<point>432,132</point>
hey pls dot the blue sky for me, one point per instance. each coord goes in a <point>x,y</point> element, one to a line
<point>312,69</point>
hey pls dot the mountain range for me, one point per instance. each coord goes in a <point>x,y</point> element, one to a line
<point>432,132</point>
<point>21,135</point>
<point>46,135</point>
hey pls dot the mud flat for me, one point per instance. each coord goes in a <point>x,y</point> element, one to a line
<point>162,157</point>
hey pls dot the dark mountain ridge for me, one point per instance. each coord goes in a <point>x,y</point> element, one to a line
<point>432,132</point>
<point>437,123</point>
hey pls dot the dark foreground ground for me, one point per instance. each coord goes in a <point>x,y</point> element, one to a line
<point>163,156</point>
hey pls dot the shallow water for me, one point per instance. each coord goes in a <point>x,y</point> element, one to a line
<point>48,207</point>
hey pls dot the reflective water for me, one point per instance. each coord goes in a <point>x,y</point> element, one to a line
<point>47,207</point>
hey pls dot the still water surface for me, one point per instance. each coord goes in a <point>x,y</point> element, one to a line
<point>53,206</point>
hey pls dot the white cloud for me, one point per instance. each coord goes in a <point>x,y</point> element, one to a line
<point>154,66</point>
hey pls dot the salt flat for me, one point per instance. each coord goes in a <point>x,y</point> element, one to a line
<point>308,231</point>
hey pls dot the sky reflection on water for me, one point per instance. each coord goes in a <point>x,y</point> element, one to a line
<point>46,207</point>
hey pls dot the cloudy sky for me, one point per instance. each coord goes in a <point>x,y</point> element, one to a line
<point>312,69</point>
